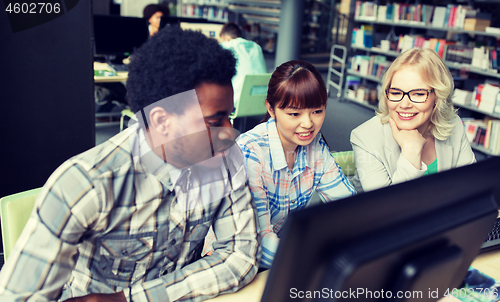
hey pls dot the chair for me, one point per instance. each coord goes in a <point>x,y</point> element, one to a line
<point>345,159</point>
<point>126,113</point>
<point>252,99</point>
<point>14,213</point>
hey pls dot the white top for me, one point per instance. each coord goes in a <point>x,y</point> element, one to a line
<point>249,60</point>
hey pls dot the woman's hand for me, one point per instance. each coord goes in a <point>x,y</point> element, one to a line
<point>411,142</point>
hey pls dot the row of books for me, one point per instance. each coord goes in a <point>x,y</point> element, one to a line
<point>479,57</point>
<point>486,58</point>
<point>485,98</point>
<point>413,41</point>
<point>450,16</point>
<point>206,12</point>
<point>363,36</point>
<point>485,133</point>
<point>374,65</point>
<point>367,94</point>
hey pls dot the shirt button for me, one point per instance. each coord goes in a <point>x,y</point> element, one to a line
<point>173,242</point>
<point>293,201</point>
<point>124,253</point>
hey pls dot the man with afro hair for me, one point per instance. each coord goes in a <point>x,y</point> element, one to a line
<point>126,220</point>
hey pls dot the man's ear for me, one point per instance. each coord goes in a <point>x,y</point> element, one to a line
<point>270,109</point>
<point>159,120</point>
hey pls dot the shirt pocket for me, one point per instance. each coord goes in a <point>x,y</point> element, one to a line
<point>195,237</point>
<point>124,259</point>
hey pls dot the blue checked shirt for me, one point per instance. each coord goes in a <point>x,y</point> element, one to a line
<point>108,220</point>
<point>278,191</point>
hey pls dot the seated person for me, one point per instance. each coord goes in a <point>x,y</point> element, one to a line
<point>286,157</point>
<point>125,221</point>
<point>248,54</point>
<point>153,13</point>
<point>416,130</point>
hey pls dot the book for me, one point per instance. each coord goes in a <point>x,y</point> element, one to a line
<point>438,17</point>
<point>427,11</point>
<point>489,96</point>
<point>476,24</point>
<point>462,97</point>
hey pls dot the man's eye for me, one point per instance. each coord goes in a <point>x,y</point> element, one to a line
<point>214,123</point>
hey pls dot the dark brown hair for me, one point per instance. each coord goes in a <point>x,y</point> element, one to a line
<point>296,84</point>
<point>151,9</point>
<point>231,29</point>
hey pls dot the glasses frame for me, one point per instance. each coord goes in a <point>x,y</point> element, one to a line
<point>429,91</point>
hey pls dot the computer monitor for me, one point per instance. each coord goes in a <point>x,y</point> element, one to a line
<point>174,20</point>
<point>118,36</point>
<point>211,30</point>
<point>414,239</point>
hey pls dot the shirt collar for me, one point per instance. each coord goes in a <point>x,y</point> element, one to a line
<point>152,163</point>
<point>278,154</point>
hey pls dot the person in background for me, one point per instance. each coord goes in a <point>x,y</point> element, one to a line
<point>248,54</point>
<point>126,220</point>
<point>153,13</point>
<point>286,157</point>
<point>416,130</point>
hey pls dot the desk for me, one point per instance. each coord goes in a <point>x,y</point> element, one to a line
<point>488,263</point>
<point>121,77</point>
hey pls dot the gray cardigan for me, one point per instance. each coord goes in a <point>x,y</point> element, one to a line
<point>378,156</point>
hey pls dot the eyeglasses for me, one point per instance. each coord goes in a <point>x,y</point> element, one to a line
<point>415,95</point>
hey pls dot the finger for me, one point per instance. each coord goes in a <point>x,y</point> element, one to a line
<point>394,127</point>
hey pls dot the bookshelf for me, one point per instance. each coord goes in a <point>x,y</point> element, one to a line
<point>212,10</point>
<point>259,18</point>
<point>465,34</point>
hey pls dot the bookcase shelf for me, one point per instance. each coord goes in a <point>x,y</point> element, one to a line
<point>482,149</point>
<point>363,104</point>
<point>423,26</point>
<point>469,68</point>
<point>368,77</point>
<point>261,16</point>
<point>475,109</point>
<point>377,50</point>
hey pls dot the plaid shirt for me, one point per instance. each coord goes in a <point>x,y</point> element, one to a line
<point>108,220</point>
<point>277,190</point>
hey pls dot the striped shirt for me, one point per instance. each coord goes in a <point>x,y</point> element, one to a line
<point>277,190</point>
<point>114,219</point>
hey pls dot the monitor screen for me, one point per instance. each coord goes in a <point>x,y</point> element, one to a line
<point>211,30</point>
<point>117,35</point>
<point>405,242</point>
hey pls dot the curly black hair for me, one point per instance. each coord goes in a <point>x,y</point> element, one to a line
<point>175,61</point>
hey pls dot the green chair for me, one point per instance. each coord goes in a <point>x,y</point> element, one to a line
<point>126,113</point>
<point>253,98</point>
<point>345,159</point>
<point>14,213</point>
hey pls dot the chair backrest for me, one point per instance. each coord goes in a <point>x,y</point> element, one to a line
<point>14,213</point>
<point>253,96</point>
<point>345,159</point>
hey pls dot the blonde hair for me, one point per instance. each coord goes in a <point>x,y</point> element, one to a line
<point>434,74</point>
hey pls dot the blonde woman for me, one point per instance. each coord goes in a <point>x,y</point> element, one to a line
<point>416,130</point>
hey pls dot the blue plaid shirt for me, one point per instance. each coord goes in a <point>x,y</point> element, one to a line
<point>277,190</point>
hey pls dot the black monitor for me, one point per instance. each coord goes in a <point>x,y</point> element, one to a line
<point>118,36</point>
<point>415,237</point>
